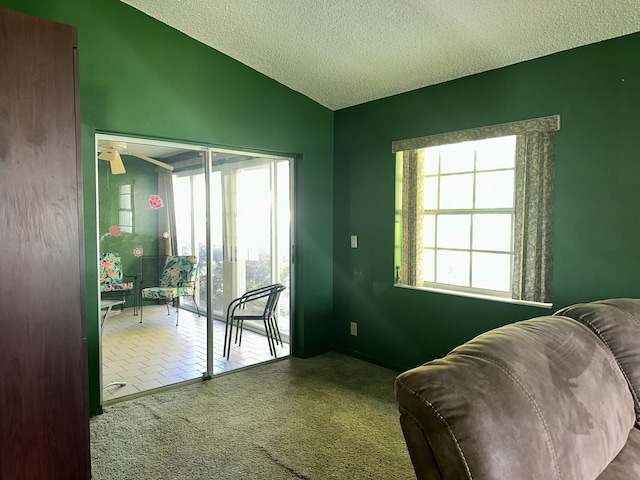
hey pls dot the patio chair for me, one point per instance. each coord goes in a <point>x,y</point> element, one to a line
<point>112,277</point>
<point>178,280</point>
<point>255,305</point>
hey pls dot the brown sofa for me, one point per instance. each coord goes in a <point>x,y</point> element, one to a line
<point>548,398</point>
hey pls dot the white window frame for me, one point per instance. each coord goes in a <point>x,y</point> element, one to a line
<point>473,210</point>
<point>532,239</point>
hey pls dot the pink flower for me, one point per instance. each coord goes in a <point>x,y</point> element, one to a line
<point>155,202</point>
<point>114,230</point>
<point>137,252</point>
<point>106,264</point>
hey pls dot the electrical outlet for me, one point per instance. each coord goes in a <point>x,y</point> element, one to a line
<point>354,329</point>
<point>354,241</point>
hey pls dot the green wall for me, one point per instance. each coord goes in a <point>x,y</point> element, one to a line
<point>141,77</point>
<point>143,179</point>
<point>596,90</point>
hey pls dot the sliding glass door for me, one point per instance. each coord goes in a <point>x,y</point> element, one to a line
<point>251,229</point>
<point>232,212</point>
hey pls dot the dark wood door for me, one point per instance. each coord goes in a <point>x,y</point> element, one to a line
<point>44,422</point>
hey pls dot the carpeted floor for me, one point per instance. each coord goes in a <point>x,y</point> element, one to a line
<point>323,418</point>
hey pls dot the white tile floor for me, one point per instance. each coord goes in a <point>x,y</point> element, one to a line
<point>157,353</point>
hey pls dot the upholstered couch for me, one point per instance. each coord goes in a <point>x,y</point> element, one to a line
<point>550,398</point>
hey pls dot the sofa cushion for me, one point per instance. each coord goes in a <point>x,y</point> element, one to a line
<point>541,398</point>
<point>627,464</point>
<point>617,323</point>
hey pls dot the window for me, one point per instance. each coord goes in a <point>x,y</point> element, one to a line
<point>125,213</point>
<point>475,210</point>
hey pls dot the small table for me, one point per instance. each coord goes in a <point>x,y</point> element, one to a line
<point>106,307</point>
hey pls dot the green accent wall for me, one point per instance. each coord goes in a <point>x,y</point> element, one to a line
<point>141,77</point>
<point>596,90</point>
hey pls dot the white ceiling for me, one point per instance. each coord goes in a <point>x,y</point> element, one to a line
<point>346,52</point>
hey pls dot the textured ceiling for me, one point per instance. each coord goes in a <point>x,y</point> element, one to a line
<point>346,52</point>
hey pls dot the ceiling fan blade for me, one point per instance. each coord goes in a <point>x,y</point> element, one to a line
<point>149,159</point>
<point>117,167</point>
<point>115,161</point>
<point>107,154</point>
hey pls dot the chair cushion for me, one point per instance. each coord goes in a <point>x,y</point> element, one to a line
<point>538,399</point>
<point>160,293</point>
<point>617,323</point>
<point>179,271</point>
<point>116,287</point>
<point>110,273</point>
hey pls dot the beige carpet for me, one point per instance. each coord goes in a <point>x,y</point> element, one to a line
<point>328,417</point>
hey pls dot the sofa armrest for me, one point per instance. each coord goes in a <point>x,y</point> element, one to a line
<point>424,463</point>
<point>541,398</point>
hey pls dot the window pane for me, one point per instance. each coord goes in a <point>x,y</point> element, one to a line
<point>456,157</point>
<point>182,204</point>
<point>431,159</point>
<point>125,197</point>
<point>253,189</point>
<point>429,231</point>
<point>125,220</point>
<point>491,271</point>
<point>453,267</point>
<point>494,189</point>
<point>456,191</point>
<point>496,153</point>
<point>492,232</point>
<point>454,231</point>
<point>217,243</point>
<point>431,193</point>
<point>429,265</point>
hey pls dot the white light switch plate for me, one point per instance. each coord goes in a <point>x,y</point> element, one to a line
<point>354,241</point>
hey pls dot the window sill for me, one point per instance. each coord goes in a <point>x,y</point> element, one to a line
<point>477,295</point>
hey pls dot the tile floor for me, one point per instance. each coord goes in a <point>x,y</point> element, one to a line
<point>157,353</point>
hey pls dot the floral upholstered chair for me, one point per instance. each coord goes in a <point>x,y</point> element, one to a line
<point>178,280</point>
<point>111,276</point>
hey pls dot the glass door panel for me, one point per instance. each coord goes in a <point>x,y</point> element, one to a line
<point>190,196</point>
<point>152,204</point>
<point>217,283</point>
<point>254,227</point>
<point>251,205</point>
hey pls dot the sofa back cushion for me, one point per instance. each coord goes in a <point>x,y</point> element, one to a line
<point>541,398</point>
<point>617,323</point>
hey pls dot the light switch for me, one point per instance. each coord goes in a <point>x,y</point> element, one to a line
<point>354,241</point>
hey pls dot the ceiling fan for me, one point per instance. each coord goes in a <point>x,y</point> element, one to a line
<point>110,151</point>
